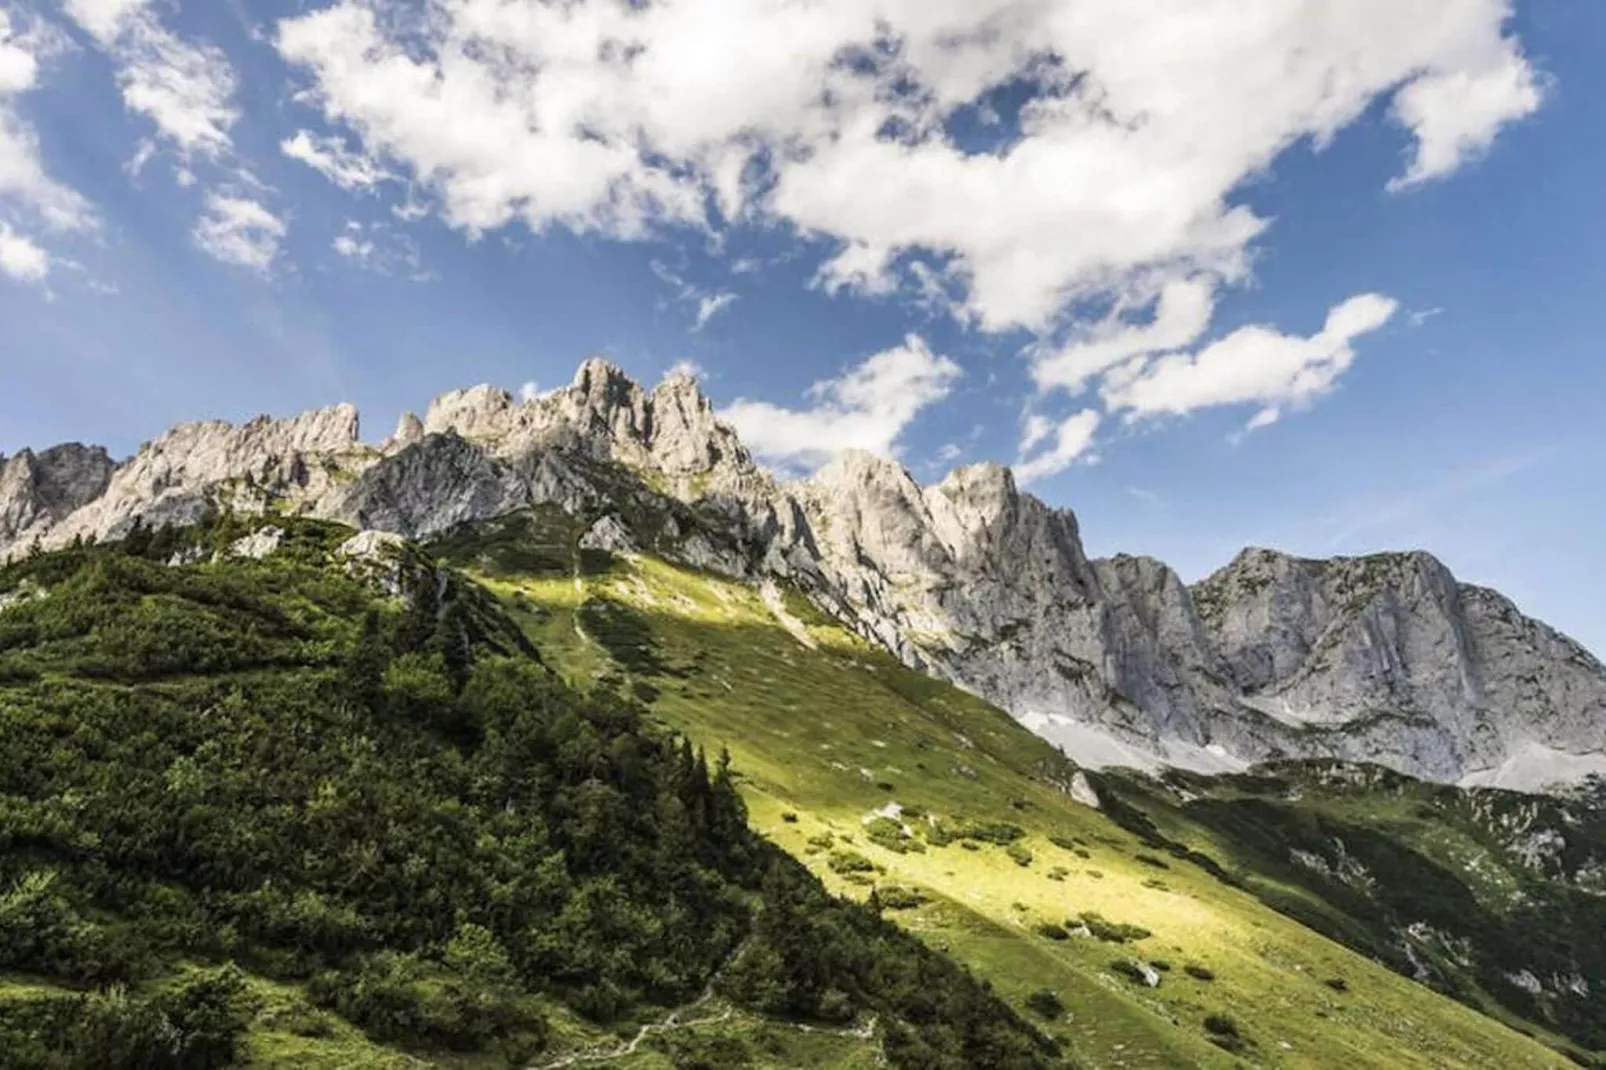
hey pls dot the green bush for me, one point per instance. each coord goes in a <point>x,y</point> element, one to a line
<point>1046,1003</point>
<point>1199,972</point>
<point>1019,854</point>
<point>845,861</point>
<point>1051,931</point>
<point>1112,932</point>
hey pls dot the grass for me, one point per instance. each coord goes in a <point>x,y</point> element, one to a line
<point>819,731</point>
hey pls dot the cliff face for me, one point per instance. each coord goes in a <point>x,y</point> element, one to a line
<point>1385,658</point>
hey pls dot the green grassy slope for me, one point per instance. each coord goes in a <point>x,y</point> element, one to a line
<point>255,812</point>
<point>1002,865</point>
<point>1486,895</point>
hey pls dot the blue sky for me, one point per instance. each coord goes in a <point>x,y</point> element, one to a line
<point>1327,282</point>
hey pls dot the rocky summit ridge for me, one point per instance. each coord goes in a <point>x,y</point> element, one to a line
<point>1384,658</point>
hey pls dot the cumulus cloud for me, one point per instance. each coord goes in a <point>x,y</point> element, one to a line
<point>1068,441</point>
<point>833,117</point>
<point>183,87</point>
<point>331,158</point>
<point>867,407</point>
<point>1181,314</point>
<point>26,188</point>
<point>1456,113</point>
<point>710,305</point>
<point>239,231</point>
<point>1253,365</point>
<point>1115,185</point>
<point>20,258</point>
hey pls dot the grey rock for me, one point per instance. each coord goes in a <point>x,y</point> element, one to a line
<point>1386,658</point>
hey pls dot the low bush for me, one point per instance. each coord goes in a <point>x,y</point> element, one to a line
<point>1046,1004</point>
<point>1112,932</point>
<point>1199,972</point>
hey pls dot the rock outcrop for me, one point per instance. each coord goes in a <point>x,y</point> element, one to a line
<point>1385,658</point>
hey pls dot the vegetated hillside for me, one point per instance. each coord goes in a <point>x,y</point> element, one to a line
<point>1496,898</point>
<point>252,810</point>
<point>966,827</point>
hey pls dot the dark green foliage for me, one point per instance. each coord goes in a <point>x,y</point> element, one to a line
<point>1051,931</point>
<point>690,1052</point>
<point>1152,860</point>
<point>898,897</point>
<point>1337,984</point>
<point>1112,932</point>
<point>789,817</point>
<point>1046,1003</point>
<point>1198,972</point>
<point>393,803</point>
<point>1224,1033</point>
<point>1019,854</point>
<point>846,861</point>
<point>1547,918</point>
<point>999,832</point>
<point>1130,970</point>
<point>885,832</point>
<point>196,1023</point>
<point>814,958</point>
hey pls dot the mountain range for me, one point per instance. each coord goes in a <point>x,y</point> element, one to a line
<point>1385,658</point>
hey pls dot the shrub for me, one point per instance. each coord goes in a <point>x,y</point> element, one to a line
<point>850,862</point>
<point>1046,1003</point>
<point>1152,860</point>
<point>1337,984</point>
<point>1160,964</point>
<point>789,817</point>
<point>1130,970</point>
<point>996,832</point>
<point>1021,856</point>
<point>1198,972</point>
<point>195,1025</point>
<point>897,897</point>
<point>1224,1033</point>
<point>1058,873</point>
<point>1051,931</point>
<point>1112,932</point>
<point>885,832</point>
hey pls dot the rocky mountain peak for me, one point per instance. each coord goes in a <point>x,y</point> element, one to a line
<point>1383,658</point>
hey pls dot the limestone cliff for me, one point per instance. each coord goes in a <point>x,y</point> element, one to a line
<point>1384,658</point>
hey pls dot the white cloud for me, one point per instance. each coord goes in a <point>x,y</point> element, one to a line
<point>1068,441</point>
<point>183,87</point>
<point>1456,113</point>
<point>614,117</point>
<point>867,407</point>
<point>330,157</point>
<point>381,248</point>
<point>529,390</point>
<point>239,231</point>
<point>350,244</point>
<point>20,258</point>
<point>710,305</point>
<point>23,178</point>
<point>688,368</point>
<point>1254,364</point>
<point>1181,313</point>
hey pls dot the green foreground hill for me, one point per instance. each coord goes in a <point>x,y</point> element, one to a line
<point>261,812</point>
<point>253,811</point>
<point>882,779</point>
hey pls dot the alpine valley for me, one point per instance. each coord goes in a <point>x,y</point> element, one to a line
<point>559,732</point>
